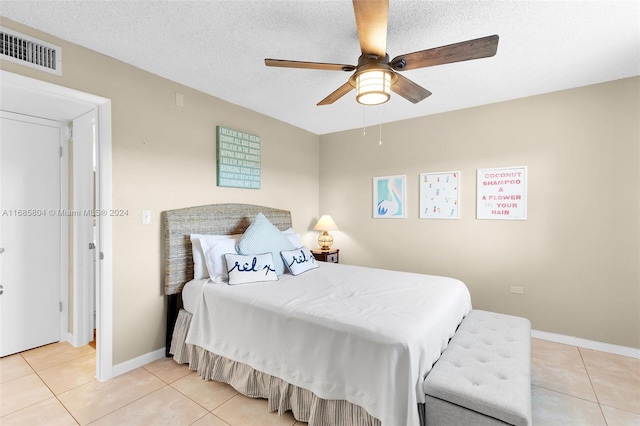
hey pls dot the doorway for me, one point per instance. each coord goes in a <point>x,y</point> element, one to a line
<point>27,96</point>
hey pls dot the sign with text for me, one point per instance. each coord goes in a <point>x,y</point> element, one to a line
<point>238,156</point>
<point>502,193</point>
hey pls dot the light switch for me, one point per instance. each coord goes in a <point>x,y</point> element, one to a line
<point>146,217</point>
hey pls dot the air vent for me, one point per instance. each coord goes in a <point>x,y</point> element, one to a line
<point>25,50</point>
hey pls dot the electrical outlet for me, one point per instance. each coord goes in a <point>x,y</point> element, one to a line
<point>517,289</point>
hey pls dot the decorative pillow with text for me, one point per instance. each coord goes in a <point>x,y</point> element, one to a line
<point>243,269</point>
<point>299,260</point>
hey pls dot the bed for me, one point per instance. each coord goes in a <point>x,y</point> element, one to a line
<point>339,344</point>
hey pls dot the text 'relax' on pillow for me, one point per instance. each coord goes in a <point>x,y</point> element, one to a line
<point>263,237</point>
<point>299,260</point>
<point>244,269</point>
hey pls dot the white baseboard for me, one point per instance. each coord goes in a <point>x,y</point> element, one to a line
<point>68,337</point>
<point>587,344</point>
<point>134,363</point>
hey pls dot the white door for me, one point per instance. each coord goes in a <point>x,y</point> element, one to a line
<point>29,234</point>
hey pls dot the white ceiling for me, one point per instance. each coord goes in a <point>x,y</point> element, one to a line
<point>218,47</point>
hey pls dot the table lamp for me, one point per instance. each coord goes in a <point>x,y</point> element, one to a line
<point>325,224</point>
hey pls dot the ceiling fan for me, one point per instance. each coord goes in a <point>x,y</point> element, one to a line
<point>375,75</point>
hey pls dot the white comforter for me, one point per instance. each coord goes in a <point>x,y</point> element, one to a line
<point>368,336</point>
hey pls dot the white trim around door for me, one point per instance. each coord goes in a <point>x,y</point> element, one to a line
<point>76,103</point>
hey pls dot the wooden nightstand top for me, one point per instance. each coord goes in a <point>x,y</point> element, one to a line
<point>330,255</point>
<point>319,250</point>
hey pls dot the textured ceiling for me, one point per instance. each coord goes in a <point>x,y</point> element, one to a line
<point>218,47</point>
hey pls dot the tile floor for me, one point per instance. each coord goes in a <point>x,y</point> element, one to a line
<point>54,385</point>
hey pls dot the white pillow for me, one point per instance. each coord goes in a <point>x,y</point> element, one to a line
<point>293,236</point>
<point>262,237</point>
<point>214,247</point>
<point>199,264</point>
<point>243,269</point>
<point>299,260</point>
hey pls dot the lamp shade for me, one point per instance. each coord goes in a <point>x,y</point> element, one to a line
<point>325,223</point>
<point>373,87</point>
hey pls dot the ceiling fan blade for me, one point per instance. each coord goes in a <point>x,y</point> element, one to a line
<point>337,94</point>
<point>371,21</point>
<point>472,49</point>
<point>308,65</point>
<point>409,90</point>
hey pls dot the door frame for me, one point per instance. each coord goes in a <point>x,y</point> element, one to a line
<point>84,129</point>
<point>104,240</point>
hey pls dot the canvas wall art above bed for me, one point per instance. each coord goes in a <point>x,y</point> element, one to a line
<point>333,343</point>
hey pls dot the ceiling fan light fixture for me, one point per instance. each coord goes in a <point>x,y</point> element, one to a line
<point>373,87</point>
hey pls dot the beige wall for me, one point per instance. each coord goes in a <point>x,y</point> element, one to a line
<point>164,158</point>
<point>577,255</point>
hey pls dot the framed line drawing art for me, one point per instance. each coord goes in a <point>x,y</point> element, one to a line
<point>440,195</point>
<point>502,193</point>
<point>390,197</point>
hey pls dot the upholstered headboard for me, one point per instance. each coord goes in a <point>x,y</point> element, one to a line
<point>213,219</point>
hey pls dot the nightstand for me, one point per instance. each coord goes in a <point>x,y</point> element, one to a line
<point>330,255</point>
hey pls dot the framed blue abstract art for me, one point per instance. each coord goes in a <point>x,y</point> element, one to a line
<point>390,197</point>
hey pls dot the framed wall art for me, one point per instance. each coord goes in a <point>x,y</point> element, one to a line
<point>440,195</point>
<point>239,158</point>
<point>502,193</point>
<point>390,197</point>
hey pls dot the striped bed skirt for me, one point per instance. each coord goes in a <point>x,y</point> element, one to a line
<point>281,396</point>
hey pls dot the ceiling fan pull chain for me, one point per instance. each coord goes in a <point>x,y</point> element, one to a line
<point>380,140</point>
<point>364,126</point>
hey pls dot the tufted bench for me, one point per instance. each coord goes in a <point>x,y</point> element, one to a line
<point>484,375</point>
